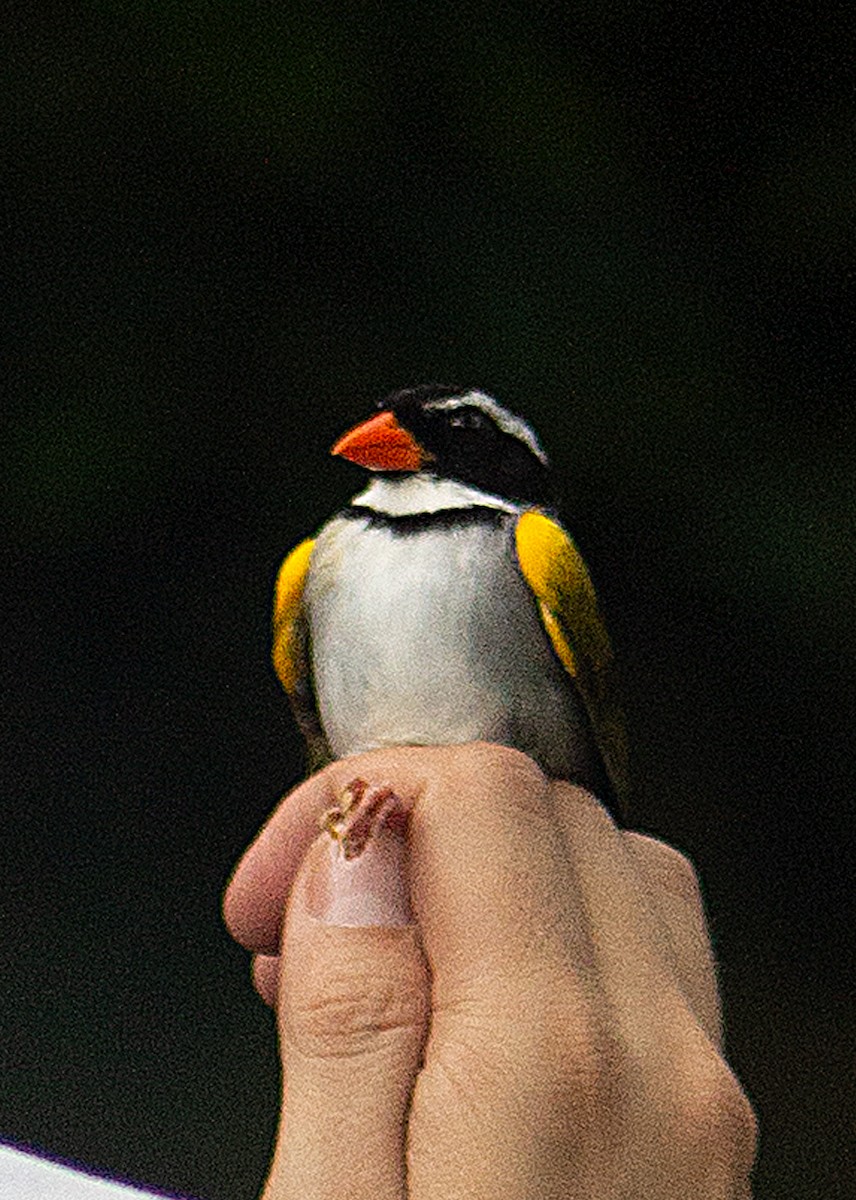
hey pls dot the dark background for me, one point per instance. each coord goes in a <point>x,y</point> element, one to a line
<point>231,227</point>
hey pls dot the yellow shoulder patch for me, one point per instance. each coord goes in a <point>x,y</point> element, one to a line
<point>288,635</point>
<point>554,569</point>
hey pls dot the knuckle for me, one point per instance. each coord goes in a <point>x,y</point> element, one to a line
<point>559,1068</point>
<point>497,763</point>
<point>570,1060</point>
<point>714,1115</point>
<point>672,869</point>
<point>343,1016</point>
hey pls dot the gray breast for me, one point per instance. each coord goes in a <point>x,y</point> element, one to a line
<point>428,634</point>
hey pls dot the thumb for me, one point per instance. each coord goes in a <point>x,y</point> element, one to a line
<point>353,1009</point>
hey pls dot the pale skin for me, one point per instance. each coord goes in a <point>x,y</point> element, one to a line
<point>546,1027</point>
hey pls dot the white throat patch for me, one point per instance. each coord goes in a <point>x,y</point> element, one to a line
<point>410,495</point>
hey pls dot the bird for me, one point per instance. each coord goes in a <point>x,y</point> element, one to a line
<point>446,603</point>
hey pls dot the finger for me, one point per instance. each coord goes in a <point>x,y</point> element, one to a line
<point>635,959</point>
<point>510,1067</point>
<point>491,876</point>
<point>255,898</point>
<point>672,887</point>
<point>672,1077</point>
<point>353,1009</point>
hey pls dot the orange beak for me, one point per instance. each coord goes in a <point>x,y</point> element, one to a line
<point>381,444</point>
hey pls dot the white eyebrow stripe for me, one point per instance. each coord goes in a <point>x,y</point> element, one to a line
<point>504,419</point>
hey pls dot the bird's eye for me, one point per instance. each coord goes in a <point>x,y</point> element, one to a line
<point>467,418</point>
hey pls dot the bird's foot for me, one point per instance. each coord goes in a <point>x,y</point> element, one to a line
<point>361,811</point>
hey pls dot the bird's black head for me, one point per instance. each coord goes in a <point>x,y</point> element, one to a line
<point>455,433</point>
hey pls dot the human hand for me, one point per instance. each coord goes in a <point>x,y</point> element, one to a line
<point>544,1023</point>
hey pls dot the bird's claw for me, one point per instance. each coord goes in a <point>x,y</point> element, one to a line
<point>360,812</point>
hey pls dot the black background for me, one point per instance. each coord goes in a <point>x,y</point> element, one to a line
<point>231,227</point>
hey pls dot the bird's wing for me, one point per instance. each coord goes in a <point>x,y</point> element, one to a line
<point>290,651</point>
<point>556,573</point>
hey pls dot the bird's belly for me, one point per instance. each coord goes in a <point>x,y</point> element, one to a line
<point>435,638</point>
